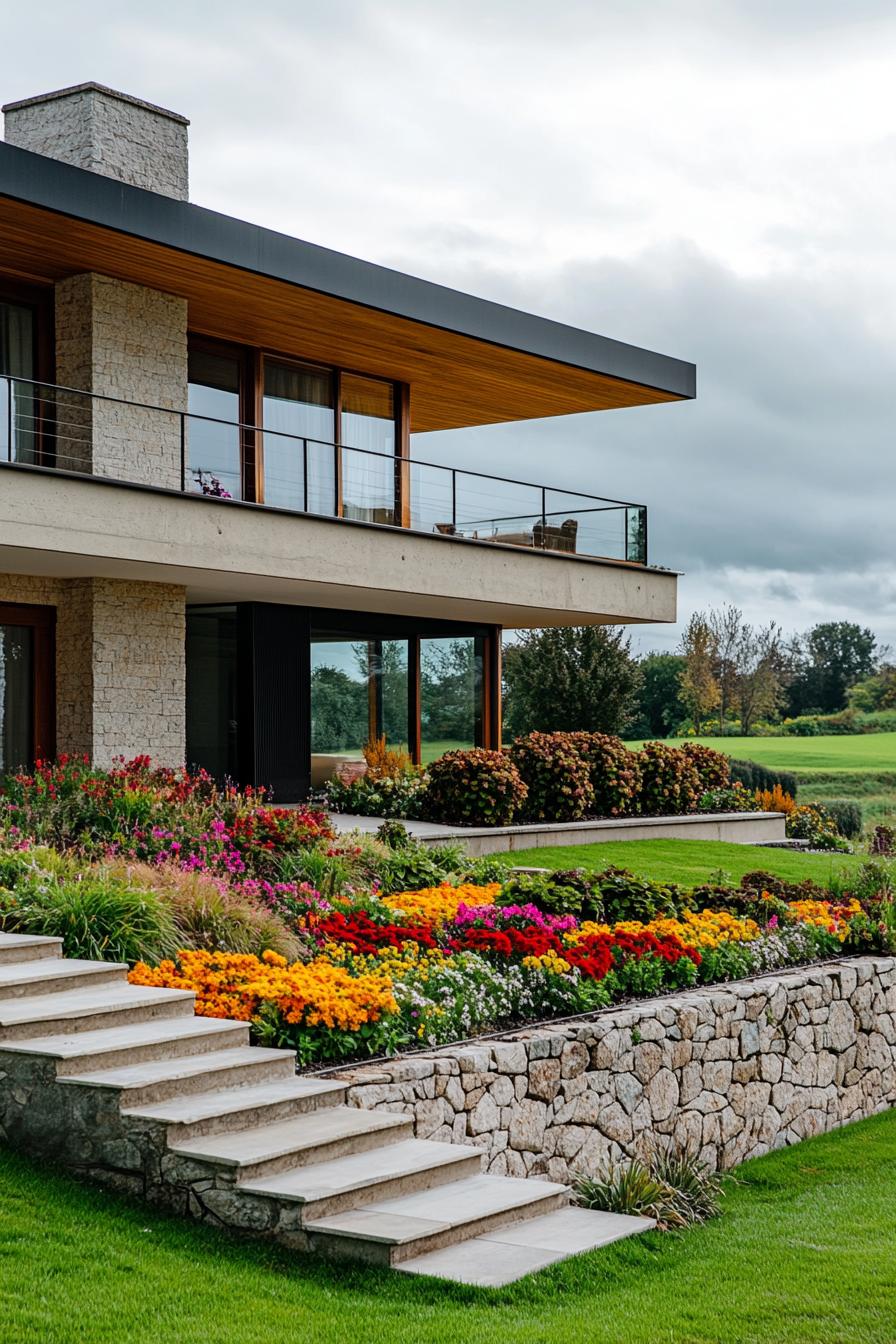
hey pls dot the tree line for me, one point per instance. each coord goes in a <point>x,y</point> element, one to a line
<point>724,670</point>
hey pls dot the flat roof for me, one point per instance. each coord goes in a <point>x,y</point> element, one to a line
<point>59,219</point>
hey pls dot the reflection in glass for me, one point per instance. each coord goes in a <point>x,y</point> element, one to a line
<point>359,691</point>
<point>16,697</point>
<point>215,465</point>
<point>451,682</point>
<point>298,401</point>
<point>368,422</point>
<point>211,694</point>
<point>17,361</point>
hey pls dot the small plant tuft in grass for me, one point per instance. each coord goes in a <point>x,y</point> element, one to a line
<point>671,1185</point>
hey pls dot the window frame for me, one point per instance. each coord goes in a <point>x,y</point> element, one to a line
<point>42,621</point>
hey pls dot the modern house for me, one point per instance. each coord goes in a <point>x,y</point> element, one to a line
<point>216,541</point>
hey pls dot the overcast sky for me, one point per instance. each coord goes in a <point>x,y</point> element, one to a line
<point>715,180</point>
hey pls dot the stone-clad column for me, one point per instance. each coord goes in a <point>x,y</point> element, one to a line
<point>128,342</point>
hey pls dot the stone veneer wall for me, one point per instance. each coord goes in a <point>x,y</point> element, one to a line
<point>119,664</point>
<point>731,1071</point>
<point>129,342</point>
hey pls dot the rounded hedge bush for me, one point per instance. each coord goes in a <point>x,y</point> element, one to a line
<point>614,772</point>
<point>713,768</point>
<point>847,814</point>
<point>474,788</point>
<point>556,775</point>
<point>670,781</point>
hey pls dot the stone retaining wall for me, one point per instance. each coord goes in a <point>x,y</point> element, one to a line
<point>732,1071</point>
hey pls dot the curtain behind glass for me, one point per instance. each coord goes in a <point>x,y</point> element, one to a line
<point>298,402</point>
<point>213,443</point>
<point>17,361</point>
<point>368,422</point>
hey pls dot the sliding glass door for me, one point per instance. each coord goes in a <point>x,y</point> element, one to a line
<point>368,437</point>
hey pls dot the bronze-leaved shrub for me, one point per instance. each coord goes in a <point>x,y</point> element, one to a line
<point>474,788</point>
<point>614,773</point>
<point>556,775</point>
<point>670,781</point>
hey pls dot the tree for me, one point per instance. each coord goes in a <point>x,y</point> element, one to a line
<point>874,693</point>
<point>828,661</point>
<point>660,708</point>
<point>579,678</point>
<point>699,687</point>
<point>759,663</point>
<point>727,630</point>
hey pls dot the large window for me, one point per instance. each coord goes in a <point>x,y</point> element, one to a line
<point>451,690</point>
<point>359,691</point>
<point>214,438</point>
<point>266,428</point>
<point>299,418</point>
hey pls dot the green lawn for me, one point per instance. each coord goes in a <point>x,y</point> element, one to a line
<point>866,751</point>
<point>686,861</point>
<point>802,1255</point>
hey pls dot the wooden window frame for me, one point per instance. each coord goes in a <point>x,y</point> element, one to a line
<point>42,621</point>
<point>252,361</point>
<point>41,300</point>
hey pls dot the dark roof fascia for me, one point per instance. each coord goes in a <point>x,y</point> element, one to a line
<point>49,184</point>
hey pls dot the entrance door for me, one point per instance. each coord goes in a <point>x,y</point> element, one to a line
<point>27,708</point>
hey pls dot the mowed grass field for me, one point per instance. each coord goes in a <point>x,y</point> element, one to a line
<point>862,767</point>
<point>802,1254</point>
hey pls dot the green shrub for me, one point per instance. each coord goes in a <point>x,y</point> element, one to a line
<point>847,814</point>
<point>400,796</point>
<point>556,776</point>
<point>670,782</point>
<point>733,799</point>
<point>627,896</point>
<point>572,892</point>
<point>713,767</point>
<point>98,916</point>
<point>393,835</point>
<point>614,773</point>
<point>415,865</point>
<point>754,776</point>
<point>487,868</point>
<point>474,788</point>
<point>815,824</point>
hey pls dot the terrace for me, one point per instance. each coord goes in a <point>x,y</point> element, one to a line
<point>73,432</point>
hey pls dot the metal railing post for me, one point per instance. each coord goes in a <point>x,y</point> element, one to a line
<point>544,518</point>
<point>305,473</point>
<point>9,419</point>
<point>183,452</point>
<point>453,499</point>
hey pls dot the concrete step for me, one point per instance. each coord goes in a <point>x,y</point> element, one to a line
<point>509,1253</point>
<point>89,1009</point>
<point>317,1137</point>
<point>402,1168</point>
<point>109,1047</point>
<point>388,1231</point>
<point>235,1108</point>
<point>158,1080</point>
<point>27,947</point>
<point>52,975</point>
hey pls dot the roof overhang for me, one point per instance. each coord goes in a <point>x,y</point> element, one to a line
<point>468,361</point>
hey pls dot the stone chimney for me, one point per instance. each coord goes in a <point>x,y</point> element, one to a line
<point>106,132</point>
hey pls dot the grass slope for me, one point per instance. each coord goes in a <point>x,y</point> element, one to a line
<point>803,1254</point>
<point>866,751</point>
<point>686,861</point>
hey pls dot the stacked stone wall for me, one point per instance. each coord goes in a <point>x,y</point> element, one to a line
<point>729,1072</point>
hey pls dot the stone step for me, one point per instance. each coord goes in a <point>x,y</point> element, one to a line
<point>27,947</point>
<point>389,1231</point>
<point>159,1038</point>
<point>49,975</point>
<point>244,1107</point>
<point>89,1009</point>
<point>402,1168</point>
<point>158,1080</point>
<point>510,1253</point>
<point>264,1150</point>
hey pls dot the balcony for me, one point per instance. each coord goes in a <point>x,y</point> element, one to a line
<point>73,432</point>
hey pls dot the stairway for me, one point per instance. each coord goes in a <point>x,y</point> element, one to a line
<point>126,1085</point>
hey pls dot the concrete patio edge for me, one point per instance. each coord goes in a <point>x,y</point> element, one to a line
<point>743,828</point>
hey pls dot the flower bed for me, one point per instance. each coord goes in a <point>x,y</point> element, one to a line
<point>347,947</point>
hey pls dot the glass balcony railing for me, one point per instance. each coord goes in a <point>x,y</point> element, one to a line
<point>72,431</point>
